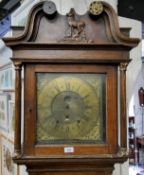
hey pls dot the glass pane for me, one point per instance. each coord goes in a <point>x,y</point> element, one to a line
<point>70,108</point>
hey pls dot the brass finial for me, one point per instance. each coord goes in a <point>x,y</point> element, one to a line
<point>96,8</point>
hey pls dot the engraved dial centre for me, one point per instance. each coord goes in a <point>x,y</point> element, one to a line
<point>68,106</point>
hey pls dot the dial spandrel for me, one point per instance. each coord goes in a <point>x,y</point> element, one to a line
<point>70,108</point>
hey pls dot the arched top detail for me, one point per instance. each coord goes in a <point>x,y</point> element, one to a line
<point>43,28</point>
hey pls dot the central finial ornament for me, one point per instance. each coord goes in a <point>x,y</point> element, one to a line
<point>76,29</point>
<point>76,26</point>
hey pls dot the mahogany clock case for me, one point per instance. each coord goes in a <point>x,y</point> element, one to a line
<point>71,65</point>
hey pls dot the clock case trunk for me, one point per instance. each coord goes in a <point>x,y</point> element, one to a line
<point>91,44</point>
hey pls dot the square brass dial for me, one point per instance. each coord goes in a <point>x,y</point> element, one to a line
<point>70,108</point>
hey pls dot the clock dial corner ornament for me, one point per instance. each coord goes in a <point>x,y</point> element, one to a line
<point>68,109</point>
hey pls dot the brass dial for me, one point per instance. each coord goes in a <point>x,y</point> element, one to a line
<point>68,108</point>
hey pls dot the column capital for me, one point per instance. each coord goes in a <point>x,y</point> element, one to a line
<point>18,65</point>
<point>123,66</point>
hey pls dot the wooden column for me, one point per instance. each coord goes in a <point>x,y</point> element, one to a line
<point>17,140</point>
<point>123,115</point>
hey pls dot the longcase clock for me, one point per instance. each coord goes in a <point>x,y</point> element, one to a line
<point>71,66</point>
